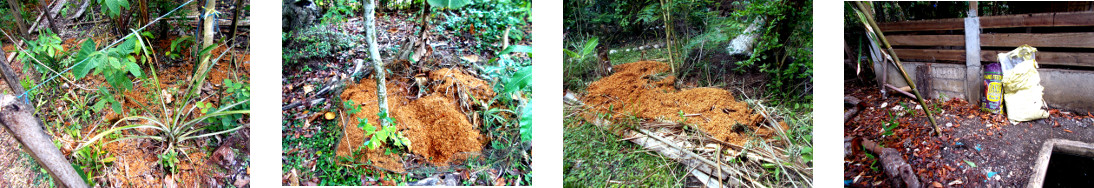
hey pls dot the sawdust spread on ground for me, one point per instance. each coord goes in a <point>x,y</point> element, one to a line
<point>645,90</point>
<point>454,81</point>
<point>435,126</point>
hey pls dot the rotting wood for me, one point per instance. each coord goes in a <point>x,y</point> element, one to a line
<point>19,120</point>
<point>1057,19</point>
<point>898,170</point>
<point>854,102</point>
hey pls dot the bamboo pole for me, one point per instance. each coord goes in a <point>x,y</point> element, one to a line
<point>896,60</point>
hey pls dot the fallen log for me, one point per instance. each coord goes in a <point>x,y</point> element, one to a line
<point>18,119</point>
<point>900,173</point>
<point>854,102</point>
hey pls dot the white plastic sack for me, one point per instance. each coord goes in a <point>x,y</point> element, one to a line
<point>1022,90</point>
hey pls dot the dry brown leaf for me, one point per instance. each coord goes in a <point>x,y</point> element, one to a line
<point>470,58</point>
<point>329,115</point>
<point>308,89</point>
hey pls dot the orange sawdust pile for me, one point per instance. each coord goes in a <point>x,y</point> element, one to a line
<point>453,81</point>
<point>644,89</point>
<point>436,127</point>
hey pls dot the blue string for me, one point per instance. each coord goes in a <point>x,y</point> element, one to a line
<point>100,51</point>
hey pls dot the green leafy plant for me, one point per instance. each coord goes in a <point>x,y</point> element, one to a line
<point>46,49</point>
<point>374,138</point>
<point>107,98</point>
<point>178,45</point>
<point>169,161</point>
<point>338,10</point>
<point>487,20</point>
<point>234,92</point>
<point>784,50</point>
<point>115,64</point>
<point>92,159</point>
<point>890,125</point>
<point>175,126</point>
<point>113,8</point>
<point>577,64</point>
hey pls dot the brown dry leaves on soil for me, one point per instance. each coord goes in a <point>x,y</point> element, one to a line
<point>435,125</point>
<point>641,89</point>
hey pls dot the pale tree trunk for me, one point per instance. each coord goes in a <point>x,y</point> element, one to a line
<point>18,118</point>
<point>207,40</point>
<point>207,24</point>
<point>374,56</point>
<point>15,13</point>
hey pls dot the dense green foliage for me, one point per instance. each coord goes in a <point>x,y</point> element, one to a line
<point>594,156</point>
<point>785,50</point>
<point>338,10</point>
<point>47,50</point>
<point>592,16</point>
<point>488,20</point>
<point>316,42</point>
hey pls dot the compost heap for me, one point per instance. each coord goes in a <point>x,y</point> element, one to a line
<point>437,128</point>
<point>644,89</point>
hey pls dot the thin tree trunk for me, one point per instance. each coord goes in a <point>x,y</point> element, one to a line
<point>374,55</point>
<point>235,19</point>
<point>144,12</point>
<point>9,75</point>
<point>207,40</point>
<point>15,13</point>
<point>668,33</point>
<point>207,24</point>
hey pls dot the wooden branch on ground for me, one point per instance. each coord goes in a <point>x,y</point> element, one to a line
<point>334,86</point>
<point>18,119</point>
<point>894,164</point>
<point>854,110</point>
<point>80,12</point>
<point>10,76</point>
<point>901,90</point>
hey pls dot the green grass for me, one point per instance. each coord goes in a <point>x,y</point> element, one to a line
<point>606,161</point>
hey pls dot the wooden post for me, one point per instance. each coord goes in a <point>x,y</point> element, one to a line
<point>973,71</point>
<point>16,9</point>
<point>235,20</point>
<point>9,75</point>
<point>19,120</point>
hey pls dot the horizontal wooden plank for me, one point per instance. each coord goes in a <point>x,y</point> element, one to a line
<point>924,25</point>
<point>926,40</point>
<point>1045,58</point>
<point>1056,19</point>
<point>1049,58</point>
<point>931,54</point>
<point>1065,40</point>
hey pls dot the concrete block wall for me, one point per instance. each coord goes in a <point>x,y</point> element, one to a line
<point>1070,90</point>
